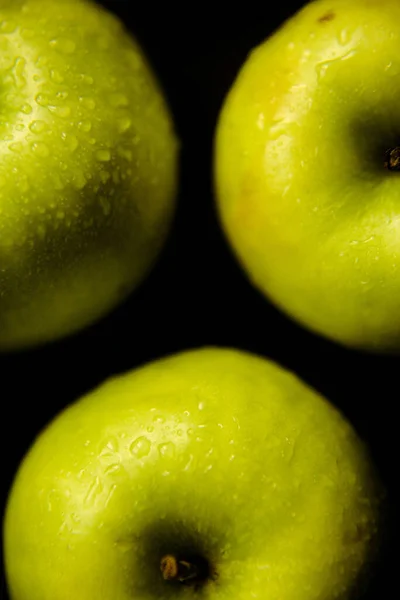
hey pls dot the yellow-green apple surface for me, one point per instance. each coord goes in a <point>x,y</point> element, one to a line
<point>88,161</point>
<point>307,170</point>
<point>211,473</point>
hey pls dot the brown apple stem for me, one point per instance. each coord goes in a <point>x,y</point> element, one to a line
<point>183,571</point>
<point>392,159</point>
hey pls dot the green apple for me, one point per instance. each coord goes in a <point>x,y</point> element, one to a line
<point>307,170</point>
<point>213,471</point>
<point>88,167</point>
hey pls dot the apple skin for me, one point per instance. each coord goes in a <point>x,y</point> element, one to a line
<point>88,168</point>
<point>214,451</point>
<point>303,195</point>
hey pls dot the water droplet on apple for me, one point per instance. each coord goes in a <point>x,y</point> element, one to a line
<point>105,204</point>
<point>60,111</point>
<point>38,126</point>
<point>124,124</point>
<point>85,125</point>
<point>166,450</point>
<point>42,100</point>
<point>159,419</point>
<point>62,95</point>
<point>392,69</point>
<point>118,100</point>
<point>124,153</point>
<point>63,45</point>
<point>16,147</point>
<point>84,78</point>
<point>104,176</point>
<point>140,447</point>
<point>79,180</point>
<point>41,230</point>
<point>56,76</point>
<point>40,149</point>
<point>112,469</point>
<point>87,102</point>
<point>70,141</point>
<point>344,37</point>
<point>260,121</point>
<point>18,71</point>
<point>8,26</point>
<point>20,127</point>
<point>60,214</point>
<point>150,428</point>
<point>26,108</point>
<point>27,33</point>
<point>103,155</point>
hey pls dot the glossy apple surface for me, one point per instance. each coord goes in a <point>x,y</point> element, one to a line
<point>307,170</point>
<point>88,161</point>
<point>216,459</point>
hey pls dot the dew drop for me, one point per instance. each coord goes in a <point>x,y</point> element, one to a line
<point>87,102</point>
<point>103,155</point>
<point>62,94</point>
<point>41,231</point>
<point>140,447</point>
<point>16,147</point>
<point>344,37</point>
<point>18,72</point>
<point>26,108</point>
<point>20,127</point>
<point>26,33</point>
<point>79,180</point>
<point>70,141</point>
<point>392,69</point>
<point>104,176</point>
<point>118,100</point>
<point>86,78</point>
<point>166,450</point>
<point>125,153</point>
<point>63,45</point>
<point>60,214</point>
<point>124,124</point>
<point>41,61</point>
<point>42,100</point>
<point>56,76</point>
<point>159,419</point>
<point>105,204</point>
<point>38,126</point>
<point>8,26</point>
<point>40,149</point>
<point>60,111</point>
<point>85,125</point>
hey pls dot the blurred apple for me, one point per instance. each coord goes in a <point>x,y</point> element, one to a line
<point>212,471</point>
<point>88,168</point>
<point>307,170</point>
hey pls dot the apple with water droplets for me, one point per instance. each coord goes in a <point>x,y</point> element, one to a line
<point>212,473</point>
<point>307,170</point>
<point>88,167</point>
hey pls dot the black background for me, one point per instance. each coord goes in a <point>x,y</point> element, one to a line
<point>197,294</point>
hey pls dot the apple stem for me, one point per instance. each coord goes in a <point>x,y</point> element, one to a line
<point>392,159</point>
<point>174,569</point>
